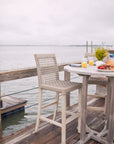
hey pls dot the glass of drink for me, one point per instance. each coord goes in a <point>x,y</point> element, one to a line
<point>84,63</point>
<point>91,61</point>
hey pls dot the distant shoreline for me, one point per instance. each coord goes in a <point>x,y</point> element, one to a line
<point>95,45</point>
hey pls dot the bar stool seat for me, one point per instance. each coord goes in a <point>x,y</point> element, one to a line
<point>61,86</point>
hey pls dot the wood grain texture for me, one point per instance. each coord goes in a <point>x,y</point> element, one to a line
<point>67,78</point>
<point>24,73</point>
<point>0,125</point>
<point>50,134</point>
<point>11,103</point>
<point>111,114</point>
<point>17,74</point>
<point>83,108</point>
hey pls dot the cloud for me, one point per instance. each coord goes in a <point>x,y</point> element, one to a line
<point>56,21</point>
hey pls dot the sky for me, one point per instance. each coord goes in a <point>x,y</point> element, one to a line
<point>56,22</point>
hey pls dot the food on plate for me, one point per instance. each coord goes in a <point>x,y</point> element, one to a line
<point>110,63</point>
<point>103,67</point>
<point>108,66</point>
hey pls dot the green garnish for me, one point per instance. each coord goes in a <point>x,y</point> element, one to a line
<point>101,53</point>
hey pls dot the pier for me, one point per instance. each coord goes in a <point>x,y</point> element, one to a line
<point>10,75</point>
<point>12,105</point>
<point>50,134</point>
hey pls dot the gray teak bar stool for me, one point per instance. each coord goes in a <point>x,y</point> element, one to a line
<point>99,81</point>
<point>48,78</point>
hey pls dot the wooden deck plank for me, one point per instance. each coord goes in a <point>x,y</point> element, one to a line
<point>12,103</point>
<point>50,134</point>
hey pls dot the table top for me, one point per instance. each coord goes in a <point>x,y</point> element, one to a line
<point>90,71</point>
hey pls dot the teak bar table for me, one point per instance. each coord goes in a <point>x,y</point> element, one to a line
<point>109,126</point>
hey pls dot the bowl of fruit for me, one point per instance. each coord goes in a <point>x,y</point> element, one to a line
<point>109,66</point>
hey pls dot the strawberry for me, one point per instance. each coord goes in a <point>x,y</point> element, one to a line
<point>104,66</point>
<point>98,67</point>
<point>101,67</point>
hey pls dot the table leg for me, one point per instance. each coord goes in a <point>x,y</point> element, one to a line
<point>83,109</point>
<point>67,78</point>
<point>108,102</point>
<point>111,114</point>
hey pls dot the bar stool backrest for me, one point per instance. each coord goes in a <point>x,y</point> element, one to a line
<point>47,68</point>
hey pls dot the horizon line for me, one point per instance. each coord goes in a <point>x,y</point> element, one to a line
<point>55,45</point>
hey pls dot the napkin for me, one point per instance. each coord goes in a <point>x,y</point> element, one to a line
<point>95,63</point>
<point>75,65</point>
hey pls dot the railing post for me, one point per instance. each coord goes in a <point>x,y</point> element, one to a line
<point>86,46</point>
<point>86,53</point>
<point>67,78</point>
<point>0,115</point>
<point>91,47</point>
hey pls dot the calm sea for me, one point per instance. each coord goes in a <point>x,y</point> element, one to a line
<point>13,57</point>
<point>16,57</point>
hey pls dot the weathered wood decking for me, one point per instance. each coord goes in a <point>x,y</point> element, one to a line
<point>50,134</point>
<point>12,105</point>
<point>9,75</point>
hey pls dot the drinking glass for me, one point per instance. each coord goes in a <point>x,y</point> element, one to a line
<point>91,61</point>
<point>84,63</point>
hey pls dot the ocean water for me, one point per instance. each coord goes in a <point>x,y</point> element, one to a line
<point>13,57</point>
<point>16,57</point>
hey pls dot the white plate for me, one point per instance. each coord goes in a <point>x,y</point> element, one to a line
<point>103,70</point>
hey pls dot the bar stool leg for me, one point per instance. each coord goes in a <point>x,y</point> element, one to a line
<point>79,109</point>
<point>105,105</point>
<point>39,110</point>
<point>63,141</point>
<point>56,106</point>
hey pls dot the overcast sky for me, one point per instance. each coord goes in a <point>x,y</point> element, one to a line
<point>56,21</point>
